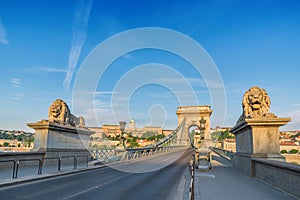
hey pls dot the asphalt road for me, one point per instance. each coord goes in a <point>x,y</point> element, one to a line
<point>107,183</point>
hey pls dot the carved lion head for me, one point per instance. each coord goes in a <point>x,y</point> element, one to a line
<point>55,109</point>
<point>255,98</point>
<point>256,102</point>
<point>58,111</point>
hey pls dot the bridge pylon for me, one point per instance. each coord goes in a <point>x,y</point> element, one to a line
<point>193,115</point>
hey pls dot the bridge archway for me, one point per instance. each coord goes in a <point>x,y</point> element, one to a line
<point>193,115</point>
<point>193,130</point>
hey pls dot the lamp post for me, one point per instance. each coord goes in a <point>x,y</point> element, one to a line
<point>122,128</point>
<point>202,129</point>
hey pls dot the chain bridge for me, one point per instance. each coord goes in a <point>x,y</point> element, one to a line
<point>179,166</point>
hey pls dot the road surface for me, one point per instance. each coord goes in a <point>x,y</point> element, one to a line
<point>109,183</point>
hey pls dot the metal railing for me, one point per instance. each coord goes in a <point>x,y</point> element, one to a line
<point>87,159</point>
<point>171,136</point>
<point>33,159</point>
<point>145,152</point>
<point>74,160</point>
<point>14,166</point>
<point>41,163</point>
<point>229,155</point>
<point>104,154</point>
<point>52,158</point>
<point>192,182</point>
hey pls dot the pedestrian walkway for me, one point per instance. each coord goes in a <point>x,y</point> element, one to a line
<point>226,183</point>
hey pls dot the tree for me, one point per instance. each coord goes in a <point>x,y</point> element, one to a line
<point>19,138</point>
<point>133,144</point>
<point>294,151</point>
<point>283,151</point>
<point>215,135</point>
<point>29,140</point>
<point>226,135</point>
<point>5,144</point>
<point>148,135</point>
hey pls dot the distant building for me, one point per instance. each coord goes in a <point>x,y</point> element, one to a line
<point>229,145</point>
<point>114,130</point>
<point>219,129</point>
<point>153,129</point>
<point>14,146</point>
<point>99,134</point>
<point>288,146</point>
<point>167,132</point>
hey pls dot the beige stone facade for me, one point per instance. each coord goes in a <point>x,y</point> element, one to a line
<point>193,114</point>
<point>114,130</point>
<point>229,145</point>
<point>63,134</point>
<point>257,130</point>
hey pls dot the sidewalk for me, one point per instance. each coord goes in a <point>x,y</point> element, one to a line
<point>226,183</point>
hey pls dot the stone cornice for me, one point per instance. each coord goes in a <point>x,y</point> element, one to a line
<point>259,122</point>
<point>45,124</point>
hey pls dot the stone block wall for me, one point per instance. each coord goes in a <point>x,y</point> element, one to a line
<point>281,175</point>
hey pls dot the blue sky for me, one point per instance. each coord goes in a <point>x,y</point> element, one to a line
<point>44,43</point>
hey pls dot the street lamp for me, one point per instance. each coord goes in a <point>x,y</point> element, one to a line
<point>202,128</point>
<point>122,128</point>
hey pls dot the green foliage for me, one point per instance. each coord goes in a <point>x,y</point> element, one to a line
<point>133,144</point>
<point>5,144</point>
<point>283,151</point>
<point>148,135</point>
<point>11,135</point>
<point>154,137</point>
<point>215,135</point>
<point>116,138</point>
<point>226,135</point>
<point>132,141</point>
<point>95,146</point>
<point>294,151</point>
<point>29,140</point>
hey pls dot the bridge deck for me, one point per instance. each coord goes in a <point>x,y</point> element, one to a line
<point>225,182</point>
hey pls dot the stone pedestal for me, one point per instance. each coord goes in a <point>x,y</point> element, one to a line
<point>257,138</point>
<point>60,140</point>
<point>206,143</point>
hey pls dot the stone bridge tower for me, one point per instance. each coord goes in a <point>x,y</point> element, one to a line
<point>193,114</point>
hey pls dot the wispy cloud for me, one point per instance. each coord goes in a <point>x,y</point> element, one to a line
<point>3,38</point>
<point>294,114</point>
<point>17,96</point>
<point>105,92</point>
<point>45,69</point>
<point>15,82</point>
<point>80,21</point>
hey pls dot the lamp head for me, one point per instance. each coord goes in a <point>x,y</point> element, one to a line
<point>122,126</point>
<point>202,123</point>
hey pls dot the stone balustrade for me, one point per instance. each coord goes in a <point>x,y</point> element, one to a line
<point>281,175</point>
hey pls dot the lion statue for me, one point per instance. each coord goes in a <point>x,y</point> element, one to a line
<point>59,112</point>
<point>256,103</point>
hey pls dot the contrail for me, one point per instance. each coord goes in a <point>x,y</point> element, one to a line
<point>80,22</point>
<point>3,38</point>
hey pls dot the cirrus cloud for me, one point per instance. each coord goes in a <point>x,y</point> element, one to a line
<point>3,38</point>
